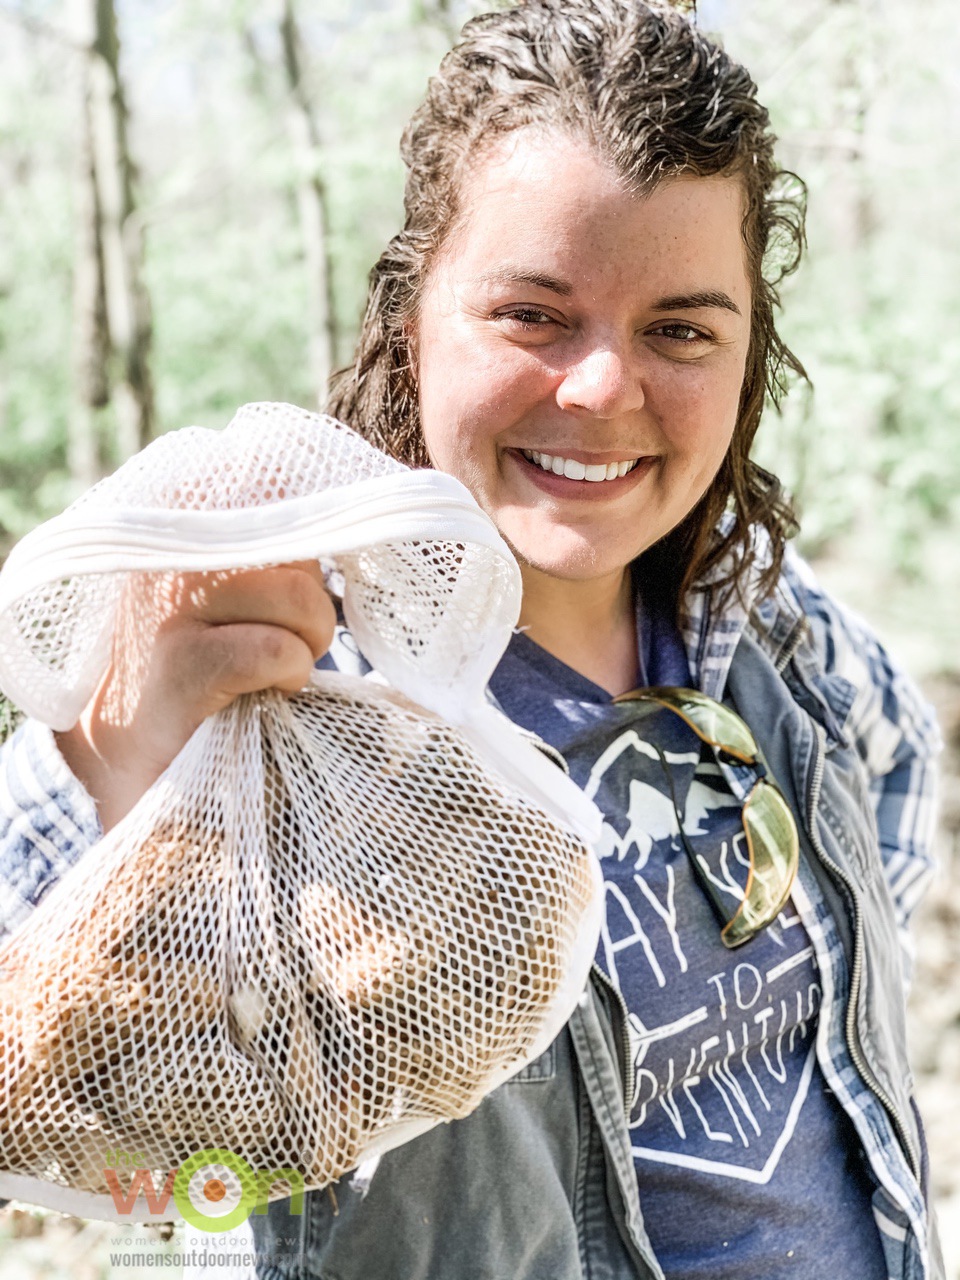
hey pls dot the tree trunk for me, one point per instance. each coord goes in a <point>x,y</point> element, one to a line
<point>852,217</point>
<point>312,204</point>
<point>127,301</point>
<point>853,226</point>
<point>91,338</point>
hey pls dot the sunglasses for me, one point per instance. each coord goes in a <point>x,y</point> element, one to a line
<point>772,842</point>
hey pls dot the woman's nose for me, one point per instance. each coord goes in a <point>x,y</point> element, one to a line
<point>604,382</point>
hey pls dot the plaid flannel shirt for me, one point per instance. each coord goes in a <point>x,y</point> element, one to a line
<point>47,821</point>
<point>878,708</point>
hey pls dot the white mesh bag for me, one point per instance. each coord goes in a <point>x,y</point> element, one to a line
<point>338,918</point>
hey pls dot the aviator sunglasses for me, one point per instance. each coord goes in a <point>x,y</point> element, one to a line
<point>772,842</point>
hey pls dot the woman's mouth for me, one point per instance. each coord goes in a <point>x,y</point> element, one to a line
<point>574,470</point>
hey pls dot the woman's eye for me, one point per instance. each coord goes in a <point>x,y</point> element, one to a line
<point>527,317</point>
<point>682,333</point>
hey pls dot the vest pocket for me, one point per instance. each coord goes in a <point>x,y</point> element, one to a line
<point>542,1068</point>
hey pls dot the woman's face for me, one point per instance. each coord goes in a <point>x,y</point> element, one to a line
<point>580,350</point>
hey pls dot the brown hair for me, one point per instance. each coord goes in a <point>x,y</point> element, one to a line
<point>656,98</point>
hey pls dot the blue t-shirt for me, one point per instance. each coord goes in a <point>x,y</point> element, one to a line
<point>746,1164</point>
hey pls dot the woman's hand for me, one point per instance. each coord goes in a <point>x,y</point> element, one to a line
<point>186,646</point>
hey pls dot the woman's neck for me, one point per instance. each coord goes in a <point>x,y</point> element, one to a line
<point>589,625</point>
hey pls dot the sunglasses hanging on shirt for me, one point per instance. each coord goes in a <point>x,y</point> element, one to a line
<point>768,822</point>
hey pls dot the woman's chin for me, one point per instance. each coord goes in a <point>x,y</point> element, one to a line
<point>571,559</point>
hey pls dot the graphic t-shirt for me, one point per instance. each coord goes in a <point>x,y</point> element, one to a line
<point>746,1165</point>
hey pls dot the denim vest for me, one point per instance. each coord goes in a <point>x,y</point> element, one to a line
<point>538,1183</point>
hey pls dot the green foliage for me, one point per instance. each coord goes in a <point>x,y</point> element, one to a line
<point>10,717</point>
<point>35,283</point>
<point>874,453</point>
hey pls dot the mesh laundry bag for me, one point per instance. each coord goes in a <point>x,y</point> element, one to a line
<point>338,918</point>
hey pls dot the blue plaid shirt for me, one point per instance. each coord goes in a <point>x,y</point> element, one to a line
<point>47,821</point>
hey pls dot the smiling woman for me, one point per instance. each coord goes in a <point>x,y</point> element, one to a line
<point>578,345</point>
<point>640,112</point>
<point>577,321</point>
<point>607,330</point>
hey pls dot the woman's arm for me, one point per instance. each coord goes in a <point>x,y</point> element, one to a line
<point>894,729</point>
<point>47,821</point>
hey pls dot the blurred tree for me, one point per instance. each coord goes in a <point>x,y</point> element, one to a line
<point>112,249</point>
<point>91,332</point>
<point>312,203</point>
<point>115,247</point>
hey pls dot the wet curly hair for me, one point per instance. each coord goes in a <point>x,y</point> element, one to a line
<point>656,98</point>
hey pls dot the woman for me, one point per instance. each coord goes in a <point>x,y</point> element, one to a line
<point>577,321</point>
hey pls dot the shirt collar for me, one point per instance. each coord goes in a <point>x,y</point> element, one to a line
<point>714,619</point>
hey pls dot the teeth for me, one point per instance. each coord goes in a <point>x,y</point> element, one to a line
<point>574,470</point>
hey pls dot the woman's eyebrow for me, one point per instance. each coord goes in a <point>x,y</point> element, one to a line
<point>675,302</point>
<point>692,301</point>
<point>516,275</point>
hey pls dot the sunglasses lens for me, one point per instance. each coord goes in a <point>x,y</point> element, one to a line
<point>774,854</point>
<point>713,721</point>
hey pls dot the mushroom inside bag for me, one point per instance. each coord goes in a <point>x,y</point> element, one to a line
<point>338,918</point>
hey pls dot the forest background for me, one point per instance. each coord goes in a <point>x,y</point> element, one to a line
<point>193,192</point>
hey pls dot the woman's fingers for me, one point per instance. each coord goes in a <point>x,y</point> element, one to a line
<point>291,596</point>
<point>186,646</point>
<point>246,631</point>
<point>212,664</point>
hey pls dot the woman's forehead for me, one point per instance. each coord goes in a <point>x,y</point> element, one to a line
<point>546,203</point>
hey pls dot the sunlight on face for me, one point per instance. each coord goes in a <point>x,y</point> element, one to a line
<point>571,330</point>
